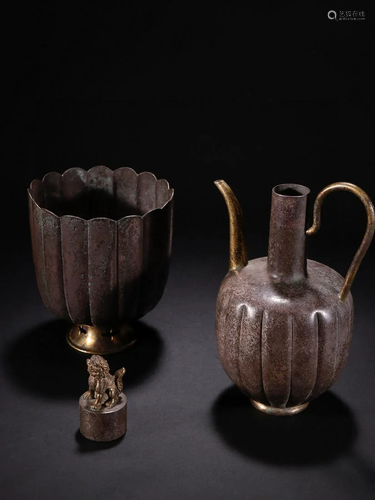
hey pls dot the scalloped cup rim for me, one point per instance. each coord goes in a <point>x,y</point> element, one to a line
<point>70,216</point>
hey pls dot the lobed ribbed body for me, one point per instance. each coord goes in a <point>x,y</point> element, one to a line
<point>101,243</point>
<point>283,346</point>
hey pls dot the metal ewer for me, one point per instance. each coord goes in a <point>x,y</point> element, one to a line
<point>101,242</point>
<point>284,323</point>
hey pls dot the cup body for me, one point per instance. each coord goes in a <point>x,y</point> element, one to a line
<point>101,242</point>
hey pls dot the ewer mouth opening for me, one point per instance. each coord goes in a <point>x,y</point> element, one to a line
<point>100,193</point>
<point>291,190</point>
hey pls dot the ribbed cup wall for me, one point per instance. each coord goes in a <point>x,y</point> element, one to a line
<point>101,243</point>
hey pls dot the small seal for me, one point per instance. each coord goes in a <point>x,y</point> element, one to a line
<point>103,408</point>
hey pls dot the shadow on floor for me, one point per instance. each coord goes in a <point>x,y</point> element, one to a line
<point>87,446</point>
<point>321,433</point>
<point>41,361</point>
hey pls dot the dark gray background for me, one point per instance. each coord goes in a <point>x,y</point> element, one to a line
<point>257,97</point>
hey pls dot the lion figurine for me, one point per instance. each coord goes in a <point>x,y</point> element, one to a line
<point>104,388</point>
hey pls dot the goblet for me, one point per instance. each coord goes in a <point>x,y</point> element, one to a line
<point>101,242</point>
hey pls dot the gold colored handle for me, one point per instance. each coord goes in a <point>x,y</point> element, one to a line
<point>347,186</point>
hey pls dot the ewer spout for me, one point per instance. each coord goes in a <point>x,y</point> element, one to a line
<point>237,246</point>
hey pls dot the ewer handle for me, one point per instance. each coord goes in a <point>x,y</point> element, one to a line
<point>347,186</point>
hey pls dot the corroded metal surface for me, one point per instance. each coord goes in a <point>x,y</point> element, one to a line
<point>283,332</point>
<point>283,345</point>
<point>103,425</point>
<point>101,243</point>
